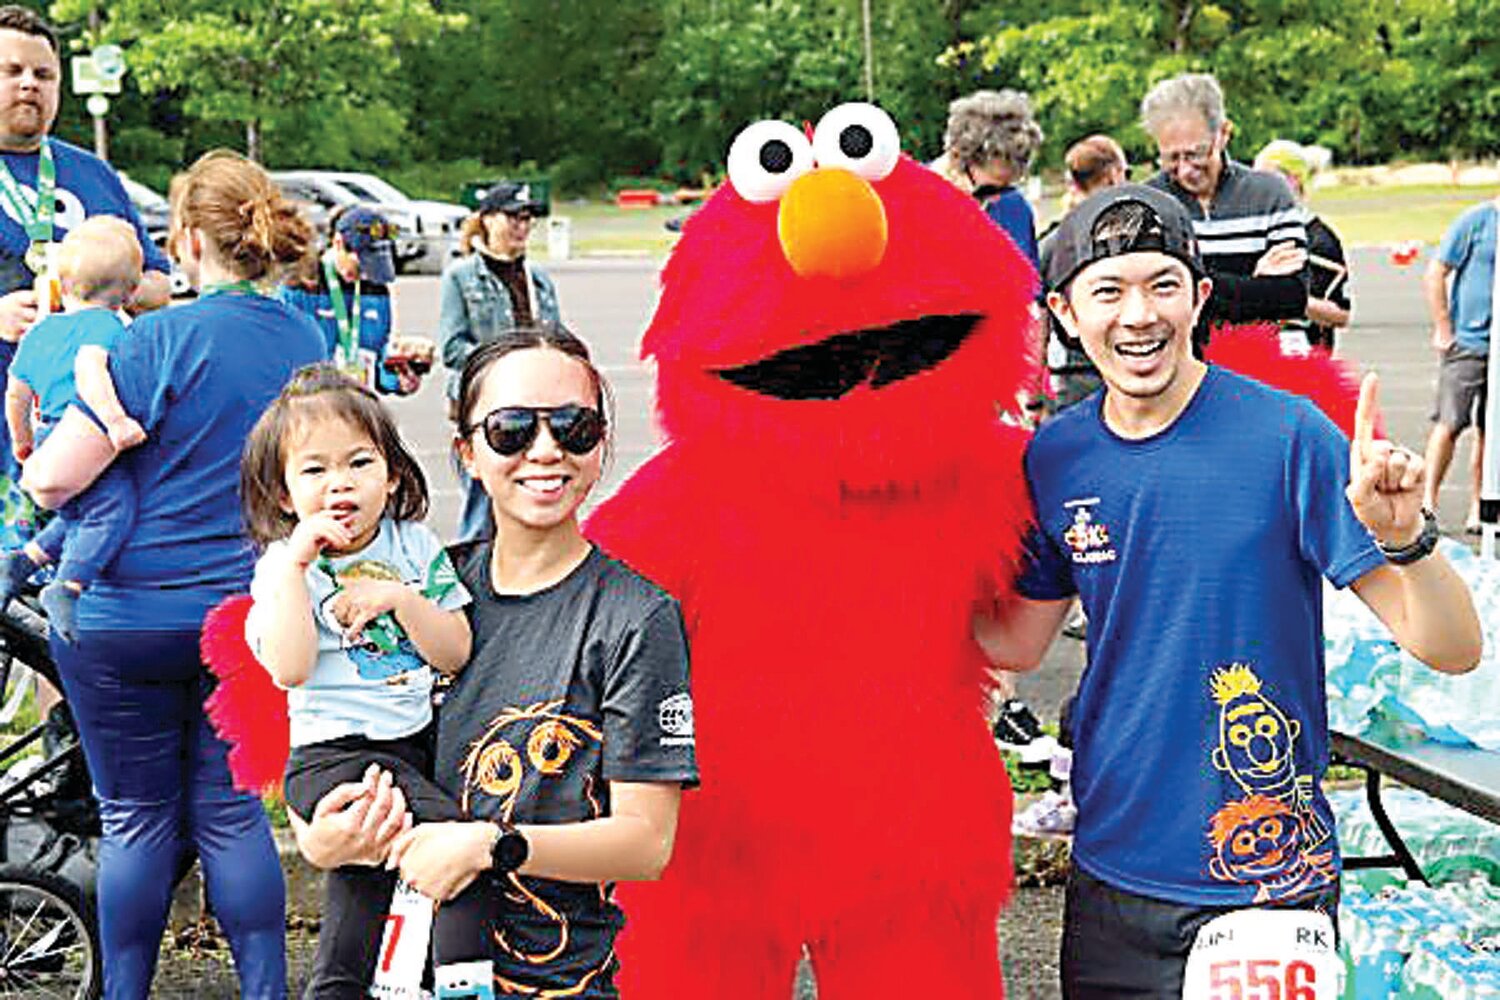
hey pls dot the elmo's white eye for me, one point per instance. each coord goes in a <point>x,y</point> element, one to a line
<point>765,158</point>
<point>859,137</point>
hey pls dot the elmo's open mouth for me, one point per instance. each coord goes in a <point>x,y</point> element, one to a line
<point>879,356</point>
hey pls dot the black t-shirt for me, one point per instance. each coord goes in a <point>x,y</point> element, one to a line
<point>512,274</point>
<point>569,688</point>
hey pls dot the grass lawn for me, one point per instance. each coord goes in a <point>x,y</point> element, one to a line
<point>1362,215</point>
<point>1366,215</point>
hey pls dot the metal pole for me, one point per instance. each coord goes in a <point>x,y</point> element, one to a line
<point>1489,489</point>
<point>869,53</point>
<point>101,137</point>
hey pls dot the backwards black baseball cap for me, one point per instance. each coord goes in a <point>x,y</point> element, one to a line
<point>1126,218</point>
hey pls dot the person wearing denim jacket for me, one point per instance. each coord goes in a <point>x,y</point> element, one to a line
<point>476,305</point>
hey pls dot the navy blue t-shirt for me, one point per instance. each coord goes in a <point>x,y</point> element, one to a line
<point>1008,209</point>
<point>1201,723</point>
<point>196,377</point>
<point>374,321</point>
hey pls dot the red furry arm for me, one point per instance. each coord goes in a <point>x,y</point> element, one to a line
<point>247,710</point>
<point>1332,384</point>
<point>647,524</point>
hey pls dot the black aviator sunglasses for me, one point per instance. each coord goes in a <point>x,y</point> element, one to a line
<point>511,429</point>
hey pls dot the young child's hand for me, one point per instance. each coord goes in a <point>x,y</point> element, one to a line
<point>125,432</point>
<point>362,601</point>
<point>313,534</point>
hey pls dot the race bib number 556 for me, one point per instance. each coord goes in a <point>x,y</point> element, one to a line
<point>1264,955</point>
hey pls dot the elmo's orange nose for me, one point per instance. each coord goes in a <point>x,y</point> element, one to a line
<point>831,225</point>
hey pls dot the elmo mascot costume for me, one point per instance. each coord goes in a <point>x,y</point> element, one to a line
<point>838,331</point>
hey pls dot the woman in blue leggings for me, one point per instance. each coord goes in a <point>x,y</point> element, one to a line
<point>196,378</point>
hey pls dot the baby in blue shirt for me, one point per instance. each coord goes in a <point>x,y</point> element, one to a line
<point>64,360</point>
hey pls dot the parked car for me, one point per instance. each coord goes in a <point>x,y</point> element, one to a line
<point>155,213</point>
<point>321,196</point>
<point>438,222</point>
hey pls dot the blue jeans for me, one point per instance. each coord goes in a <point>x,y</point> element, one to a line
<point>162,780</point>
<point>93,527</point>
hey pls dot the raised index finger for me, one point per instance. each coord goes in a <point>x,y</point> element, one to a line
<point>1366,412</point>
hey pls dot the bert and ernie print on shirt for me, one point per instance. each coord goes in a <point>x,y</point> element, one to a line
<point>1271,838</point>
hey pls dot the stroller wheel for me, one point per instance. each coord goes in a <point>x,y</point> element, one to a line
<point>49,944</point>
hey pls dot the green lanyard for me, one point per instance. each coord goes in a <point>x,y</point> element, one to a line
<point>347,321</point>
<point>35,219</point>
<point>244,286</point>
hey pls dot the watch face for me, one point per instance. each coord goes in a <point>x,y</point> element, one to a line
<point>510,851</point>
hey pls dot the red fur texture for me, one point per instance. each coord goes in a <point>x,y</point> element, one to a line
<point>1255,350</point>
<point>829,555</point>
<point>247,710</point>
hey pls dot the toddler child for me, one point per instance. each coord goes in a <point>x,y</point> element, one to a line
<point>61,361</point>
<point>355,604</point>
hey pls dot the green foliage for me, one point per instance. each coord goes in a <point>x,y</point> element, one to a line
<point>786,59</point>
<point>592,89</point>
<point>264,63</point>
<point>444,180</point>
<point>1369,81</point>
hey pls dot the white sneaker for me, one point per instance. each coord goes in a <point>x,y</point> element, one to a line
<point>1052,815</point>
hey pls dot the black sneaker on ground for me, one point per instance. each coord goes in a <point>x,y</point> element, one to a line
<point>1017,730</point>
<point>1016,724</point>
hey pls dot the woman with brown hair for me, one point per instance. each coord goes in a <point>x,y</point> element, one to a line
<point>195,378</point>
<point>493,289</point>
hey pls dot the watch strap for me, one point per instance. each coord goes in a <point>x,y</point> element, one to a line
<point>1420,548</point>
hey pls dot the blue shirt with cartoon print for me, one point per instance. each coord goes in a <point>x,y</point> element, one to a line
<point>1201,729</point>
<point>376,685</point>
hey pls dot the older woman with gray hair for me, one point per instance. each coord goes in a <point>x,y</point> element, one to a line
<point>989,144</point>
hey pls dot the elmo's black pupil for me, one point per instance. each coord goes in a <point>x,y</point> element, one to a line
<point>856,142</point>
<point>776,157</point>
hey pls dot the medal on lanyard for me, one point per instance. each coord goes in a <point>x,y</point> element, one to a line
<point>36,219</point>
<point>346,350</point>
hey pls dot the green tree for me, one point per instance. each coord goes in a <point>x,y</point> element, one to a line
<point>536,81</point>
<point>259,64</point>
<point>773,59</point>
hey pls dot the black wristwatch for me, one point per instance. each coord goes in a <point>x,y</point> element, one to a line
<point>509,851</point>
<point>1422,547</point>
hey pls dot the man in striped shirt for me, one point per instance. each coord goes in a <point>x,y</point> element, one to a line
<point>1251,232</point>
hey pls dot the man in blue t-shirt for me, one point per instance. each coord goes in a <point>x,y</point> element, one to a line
<point>76,185</point>
<point>1462,317</point>
<point>1195,513</point>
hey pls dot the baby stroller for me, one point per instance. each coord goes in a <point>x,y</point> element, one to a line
<point>49,827</point>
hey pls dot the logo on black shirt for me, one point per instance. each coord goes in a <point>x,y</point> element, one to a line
<point>675,717</point>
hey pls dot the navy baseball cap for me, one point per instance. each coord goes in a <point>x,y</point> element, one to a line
<point>1126,218</point>
<point>372,238</point>
<point>512,198</point>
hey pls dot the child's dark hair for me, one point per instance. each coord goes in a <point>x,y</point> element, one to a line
<point>320,391</point>
<point>552,336</point>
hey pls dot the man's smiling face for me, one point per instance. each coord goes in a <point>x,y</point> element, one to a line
<point>1134,314</point>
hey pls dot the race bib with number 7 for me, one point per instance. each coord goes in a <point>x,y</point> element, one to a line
<point>1264,955</point>
<point>403,947</point>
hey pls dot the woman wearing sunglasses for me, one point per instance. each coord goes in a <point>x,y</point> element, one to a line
<point>568,738</point>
